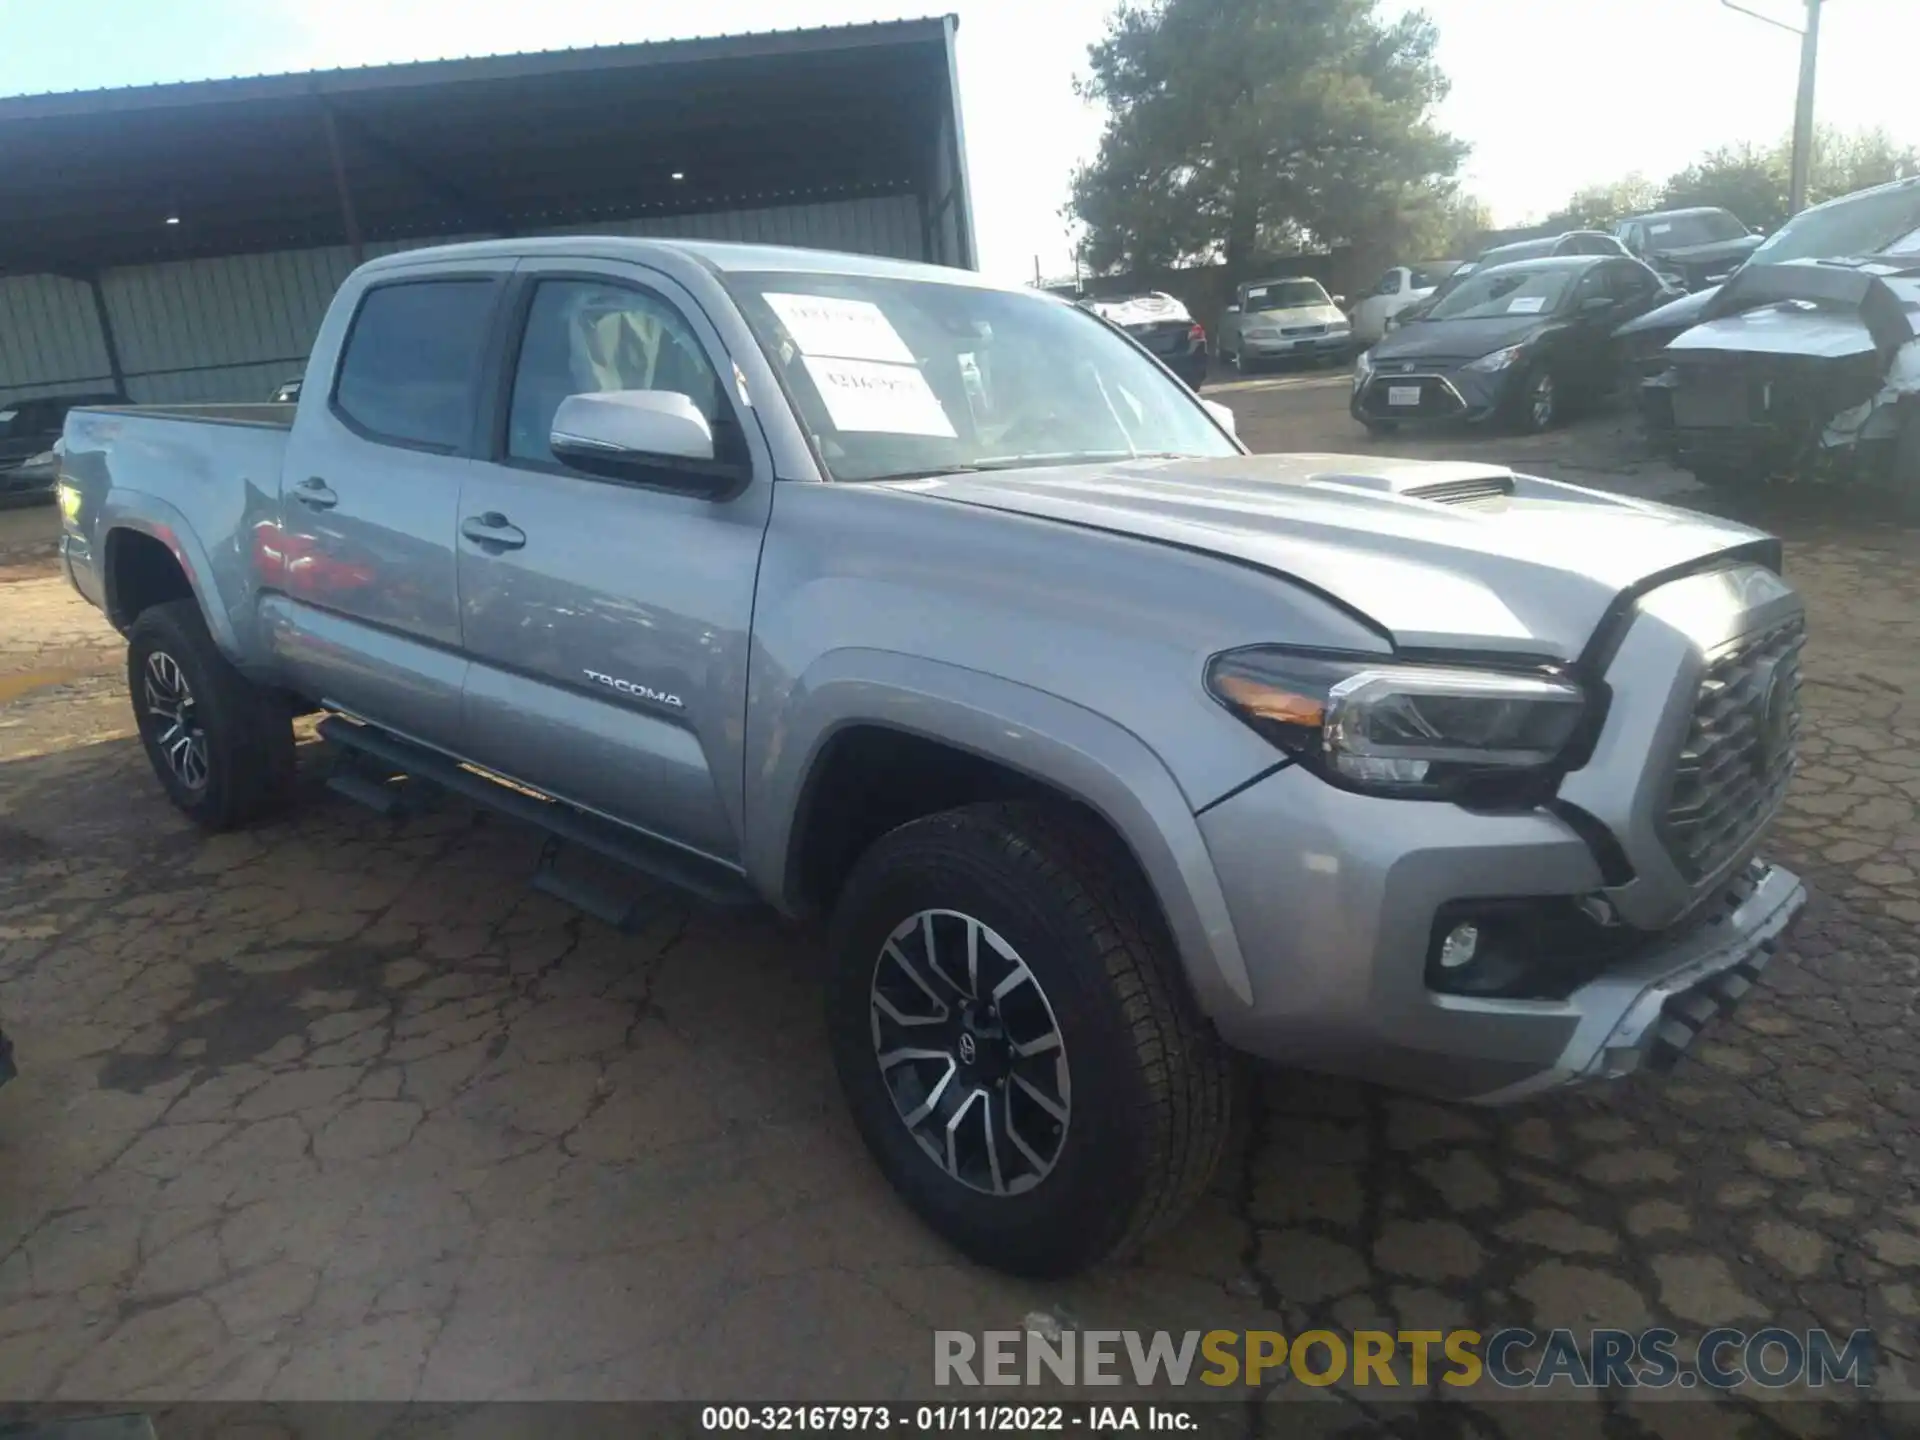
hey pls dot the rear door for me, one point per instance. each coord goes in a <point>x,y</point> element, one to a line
<point>370,493</point>
<point>606,621</point>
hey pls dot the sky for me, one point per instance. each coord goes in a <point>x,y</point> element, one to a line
<point>1552,94</point>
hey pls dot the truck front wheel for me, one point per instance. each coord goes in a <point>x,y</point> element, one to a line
<point>1015,1040</point>
<point>221,746</point>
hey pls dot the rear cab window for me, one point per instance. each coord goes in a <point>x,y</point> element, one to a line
<point>409,372</point>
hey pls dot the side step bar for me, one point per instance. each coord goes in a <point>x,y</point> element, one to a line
<point>562,822</point>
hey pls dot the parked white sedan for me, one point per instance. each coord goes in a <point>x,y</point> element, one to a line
<point>1400,287</point>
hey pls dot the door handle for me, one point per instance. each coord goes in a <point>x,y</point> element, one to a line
<point>493,530</point>
<point>315,494</point>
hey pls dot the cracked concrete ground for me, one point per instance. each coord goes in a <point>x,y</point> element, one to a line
<point>338,1108</point>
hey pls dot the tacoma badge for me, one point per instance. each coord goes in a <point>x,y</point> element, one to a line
<point>635,689</point>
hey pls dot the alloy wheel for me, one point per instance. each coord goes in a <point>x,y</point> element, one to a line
<point>172,719</point>
<point>1541,400</point>
<point>970,1052</point>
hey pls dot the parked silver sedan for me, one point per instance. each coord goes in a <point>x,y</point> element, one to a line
<point>1290,319</point>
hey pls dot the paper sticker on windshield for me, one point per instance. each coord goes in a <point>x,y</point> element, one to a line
<point>843,329</point>
<point>1526,304</point>
<point>888,399</point>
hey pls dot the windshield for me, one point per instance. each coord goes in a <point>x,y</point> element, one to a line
<point>1501,292</point>
<point>900,377</point>
<point>1677,232</point>
<point>1863,225</point>
<point>1285,295</point>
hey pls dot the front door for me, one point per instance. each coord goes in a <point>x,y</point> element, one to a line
<point>370,491</point>
<point>607,622</point>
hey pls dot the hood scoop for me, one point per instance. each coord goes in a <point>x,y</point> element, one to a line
<point>1439,484</point>
<point>1478,491</point>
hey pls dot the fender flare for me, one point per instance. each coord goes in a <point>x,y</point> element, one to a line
<point>153,517</point>
<point>1065,746</point>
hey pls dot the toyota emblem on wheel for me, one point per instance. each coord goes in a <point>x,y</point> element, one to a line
<point>970,1052</point>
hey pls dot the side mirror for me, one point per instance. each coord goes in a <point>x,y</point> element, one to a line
<point>1339,299</point>
<point>653,436</point>
<point>1222,416</point>
<point>1233,310</point>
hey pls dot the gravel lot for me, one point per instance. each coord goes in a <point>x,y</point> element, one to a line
<point>339,1108</point>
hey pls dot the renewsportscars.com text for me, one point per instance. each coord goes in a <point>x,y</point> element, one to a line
<point>1513,1358</point>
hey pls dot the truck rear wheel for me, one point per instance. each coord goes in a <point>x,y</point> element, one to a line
<point>221,746</point>
<point>1016,1042</point>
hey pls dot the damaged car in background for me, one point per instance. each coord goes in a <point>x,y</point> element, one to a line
<point>1691,249</point>
<point>1164,326</point>
<point>1805,370</point>
<point>1796,366</point>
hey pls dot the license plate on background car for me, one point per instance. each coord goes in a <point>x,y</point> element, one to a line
<point>1403,395</point>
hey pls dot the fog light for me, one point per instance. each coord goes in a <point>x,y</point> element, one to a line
<point>1460,946</point>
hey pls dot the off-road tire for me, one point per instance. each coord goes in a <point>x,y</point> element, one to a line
<point>1152,1085</point>
<point>248,731</point>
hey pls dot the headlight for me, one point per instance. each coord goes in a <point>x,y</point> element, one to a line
<point>1363,365</point>
<point>1335,327</point>
<point>1414,731</point>
<point>69,499</point>
<point>1498,360</point>
<point>45,457</point>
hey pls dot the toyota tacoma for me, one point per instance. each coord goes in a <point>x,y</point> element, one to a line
<point>944,612</point>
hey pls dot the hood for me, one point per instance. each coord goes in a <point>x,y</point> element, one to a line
<point>1714,250</point>
<point>1298,315</point>
<point>1425,339</point>
<point>1489,561</point>
<point>1784,329</point>
<point>1675,315</point>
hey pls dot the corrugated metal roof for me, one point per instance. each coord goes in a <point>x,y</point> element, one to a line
<point>345,79</point>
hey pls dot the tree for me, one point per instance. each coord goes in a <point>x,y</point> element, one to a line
<point>1451,226</point>
<point>1598,207</point>
<point>1756,184</point>
<point>1753,183</point>
<point>1242,127</point>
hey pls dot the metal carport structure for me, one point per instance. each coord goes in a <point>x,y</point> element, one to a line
<point>180,242</point>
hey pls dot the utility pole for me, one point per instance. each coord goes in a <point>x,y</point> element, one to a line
<point>1803,108</point>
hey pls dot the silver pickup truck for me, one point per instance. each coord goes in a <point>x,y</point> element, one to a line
<point>942,610</point>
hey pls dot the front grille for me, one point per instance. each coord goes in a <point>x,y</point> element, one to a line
<point>1739,752</point>
<point>1304,330</point>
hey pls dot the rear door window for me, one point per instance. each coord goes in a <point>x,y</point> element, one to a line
<point>411,367</point>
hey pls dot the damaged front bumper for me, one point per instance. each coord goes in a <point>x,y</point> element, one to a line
<point>1646,1015</point>
<point>1798,370</point>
